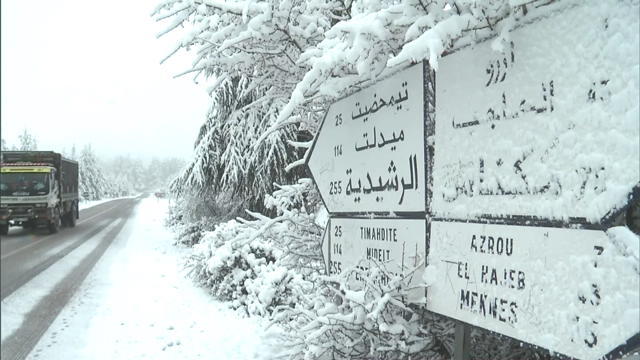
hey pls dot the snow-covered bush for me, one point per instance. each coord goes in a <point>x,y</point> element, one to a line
<point>242,268</point>
<point>264,263</point>
<point>191,214</point>
<point>191,233</point>
<point>363,320</point>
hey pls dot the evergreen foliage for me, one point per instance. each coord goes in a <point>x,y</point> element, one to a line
<point>93,183</point>
<point>227,157</point>
<point>27,141</point>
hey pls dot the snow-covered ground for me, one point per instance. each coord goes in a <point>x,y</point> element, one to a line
<point>137,304</point>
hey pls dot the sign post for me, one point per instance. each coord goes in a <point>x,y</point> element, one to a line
<point>462,342</point>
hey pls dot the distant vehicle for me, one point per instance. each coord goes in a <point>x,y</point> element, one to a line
<point>37,188</point>
<point>160,194</point>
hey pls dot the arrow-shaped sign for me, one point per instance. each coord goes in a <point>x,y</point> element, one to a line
<point>369,153</point>
<point>396,246</point>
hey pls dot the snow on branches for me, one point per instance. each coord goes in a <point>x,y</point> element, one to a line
<point>227,157</point>
<point>370,321</point>
<point>307,50</point>
<point>262,263</point>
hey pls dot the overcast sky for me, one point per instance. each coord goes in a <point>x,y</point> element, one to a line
<point>79,72</point>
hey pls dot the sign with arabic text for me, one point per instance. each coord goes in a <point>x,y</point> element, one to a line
<point>568,290</point>
<point>397,246</point>
<point>541,130</point>
<point>369,153</point>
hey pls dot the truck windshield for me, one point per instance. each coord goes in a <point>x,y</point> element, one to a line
<point>24,184</point>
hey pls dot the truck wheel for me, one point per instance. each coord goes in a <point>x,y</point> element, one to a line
<point>4,229</point>
<point>28,225</point>
<point>71,217</point>
<point>54,224</point>
<point>633,216</point>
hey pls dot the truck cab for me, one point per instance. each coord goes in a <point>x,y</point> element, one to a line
<point>35,194</point>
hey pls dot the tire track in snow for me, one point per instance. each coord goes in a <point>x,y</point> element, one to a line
<point>20,343</point>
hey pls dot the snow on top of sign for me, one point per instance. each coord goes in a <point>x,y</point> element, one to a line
<point>549,128</point>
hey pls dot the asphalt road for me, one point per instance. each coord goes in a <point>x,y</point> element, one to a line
<point>27,253</point>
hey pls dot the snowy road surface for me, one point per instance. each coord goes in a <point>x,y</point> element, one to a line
<point>114,288</point>
<point>26,253</point>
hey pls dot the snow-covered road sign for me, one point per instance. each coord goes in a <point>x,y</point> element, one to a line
<point>572,291</point>
<point>369,153</point>
<point>395,245</point>
<point>542,130</point>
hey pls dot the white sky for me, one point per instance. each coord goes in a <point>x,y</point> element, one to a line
<point>78,72</point>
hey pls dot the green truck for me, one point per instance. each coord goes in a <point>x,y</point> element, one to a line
<point>37,189</point>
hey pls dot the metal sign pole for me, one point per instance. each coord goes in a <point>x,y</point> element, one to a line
<point>461,342</point>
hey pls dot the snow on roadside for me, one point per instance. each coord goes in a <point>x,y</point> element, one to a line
<point>137,303</point>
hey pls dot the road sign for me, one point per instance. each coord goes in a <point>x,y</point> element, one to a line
<point>369,153</point>
<point>396,245</point>
<point>542,130</point>
<point>572,291</point>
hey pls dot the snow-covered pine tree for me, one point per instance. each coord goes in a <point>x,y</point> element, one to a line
<point>159,172</point>
<point>27,141</point>
<point>129,172</point>
<point>228,158</point>
<point>93,184</point>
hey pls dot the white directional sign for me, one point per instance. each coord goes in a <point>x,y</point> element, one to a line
<point>572,291</point>
<point>369,153</point>
<point>547,129</point>
<point>396,245</point>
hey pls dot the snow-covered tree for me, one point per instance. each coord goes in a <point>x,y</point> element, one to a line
<point>73,155</point>
<point>160,172</point>
<point>3,145</point>
<point>228,157</point>
<point>27,141</point>
<point>93,183</point>
<point>128,172</point>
